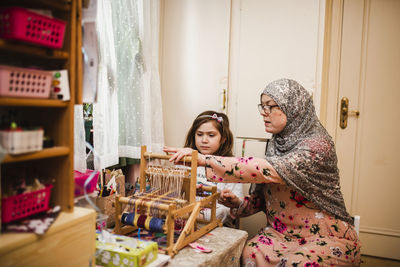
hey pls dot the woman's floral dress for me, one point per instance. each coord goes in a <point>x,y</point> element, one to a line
<point>297,233</point>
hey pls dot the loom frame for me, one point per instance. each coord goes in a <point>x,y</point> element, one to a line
<point>191,211</point>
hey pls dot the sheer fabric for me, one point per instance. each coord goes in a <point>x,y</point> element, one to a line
<point>128,112</point>
<point>105,110</point>
<point>136,30</point>
<point>79,140</point>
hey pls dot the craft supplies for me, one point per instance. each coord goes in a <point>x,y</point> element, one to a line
<point>112,183</point>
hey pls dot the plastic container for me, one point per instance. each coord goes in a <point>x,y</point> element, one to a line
<point>24,205</point>
<point>21,82</point>
<point>20,24</point>
<point>18,142</point>
<point>80,179</point>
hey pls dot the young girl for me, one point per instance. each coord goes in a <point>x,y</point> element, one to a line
<point>210,135</point>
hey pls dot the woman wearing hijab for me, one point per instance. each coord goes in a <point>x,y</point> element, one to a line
<point>297,187</point>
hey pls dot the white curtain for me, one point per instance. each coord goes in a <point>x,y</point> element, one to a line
<point>153,134</point>
<point>79,140</point>
<point>105,110</point>
<point>136,31</point>
<point>128,112</point>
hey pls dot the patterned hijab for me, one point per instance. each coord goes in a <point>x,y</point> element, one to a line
<point>304,154</point>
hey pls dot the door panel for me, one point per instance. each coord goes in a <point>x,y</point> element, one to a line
<point>271,40</point>
<point>195,58</point>
<point>368,148</point>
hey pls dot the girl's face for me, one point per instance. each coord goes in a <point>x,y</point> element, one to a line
<point>207,138</point>
<point>276,120</point>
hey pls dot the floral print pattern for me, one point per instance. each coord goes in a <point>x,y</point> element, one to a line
<point>298,233</point>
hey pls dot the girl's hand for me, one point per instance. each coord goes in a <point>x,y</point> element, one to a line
<point>180,153</point>
<point>228,199</point>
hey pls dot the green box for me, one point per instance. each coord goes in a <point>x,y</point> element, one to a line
<point>121,252</point>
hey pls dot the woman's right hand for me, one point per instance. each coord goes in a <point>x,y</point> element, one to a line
<point>180,153</point>
<point>228,199</point>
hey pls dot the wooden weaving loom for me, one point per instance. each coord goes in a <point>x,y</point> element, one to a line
<point>169,207</point>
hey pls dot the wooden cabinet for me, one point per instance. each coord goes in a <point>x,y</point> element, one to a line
<point>73,227</point>
<point>69,242</point>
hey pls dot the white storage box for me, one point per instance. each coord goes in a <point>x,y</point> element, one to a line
<point>18,142</point>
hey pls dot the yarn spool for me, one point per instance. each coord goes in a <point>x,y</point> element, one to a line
<point>143,221</point>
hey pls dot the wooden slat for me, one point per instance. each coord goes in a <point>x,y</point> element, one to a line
<point>32,102</point>
<point>31,50</point>
<point>66,184</point>
<point>150,155</point>
<point>54,5</point>
<point>79,64</point>
<point>45,153</point>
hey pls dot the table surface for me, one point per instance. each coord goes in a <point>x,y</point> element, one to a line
<point>226,244</point>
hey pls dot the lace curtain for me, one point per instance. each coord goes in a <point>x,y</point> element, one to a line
<point>128,111</point>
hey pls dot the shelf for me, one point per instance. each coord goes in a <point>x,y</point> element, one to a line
<point>46,4</point>
<point>45,153</point>
<point>33,50</point>
<point>32,102</point>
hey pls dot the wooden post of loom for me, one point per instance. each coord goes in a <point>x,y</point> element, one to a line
<point>170,221</point>
<point>193,177</point>
<point>214,205</point>
<point>118,211</point>
<point>142,176</point>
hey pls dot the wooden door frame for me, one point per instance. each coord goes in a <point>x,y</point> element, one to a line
<point>331,64</point>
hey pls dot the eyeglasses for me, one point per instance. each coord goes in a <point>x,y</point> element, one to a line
<point>266,108</point>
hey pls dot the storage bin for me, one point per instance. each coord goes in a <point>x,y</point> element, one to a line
<point>80,179</point>
<point>18,142</point>
<point>22,82</point>
<point>20,24</point>
<point>23,205</point>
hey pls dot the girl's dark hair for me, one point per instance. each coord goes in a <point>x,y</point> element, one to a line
<point>225,148</point>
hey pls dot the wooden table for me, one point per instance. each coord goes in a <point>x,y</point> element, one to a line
<point>226,244</point>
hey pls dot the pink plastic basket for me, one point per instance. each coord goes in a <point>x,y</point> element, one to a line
<point>80,179</point>
<point>21,82</point>
<point>20,24</point>
<point>23,205</point>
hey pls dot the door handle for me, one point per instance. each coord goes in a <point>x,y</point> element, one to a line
<point>345,113</point>
<point>223,100</point>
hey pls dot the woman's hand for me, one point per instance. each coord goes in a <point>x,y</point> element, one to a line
<point>180,153</point>
<point>228,199</point>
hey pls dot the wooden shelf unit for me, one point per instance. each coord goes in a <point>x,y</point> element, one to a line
<point>70,241</point>
<point>55,116</point>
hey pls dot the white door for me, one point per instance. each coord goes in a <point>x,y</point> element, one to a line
<point>194,64</point>
<point>365,68</point>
